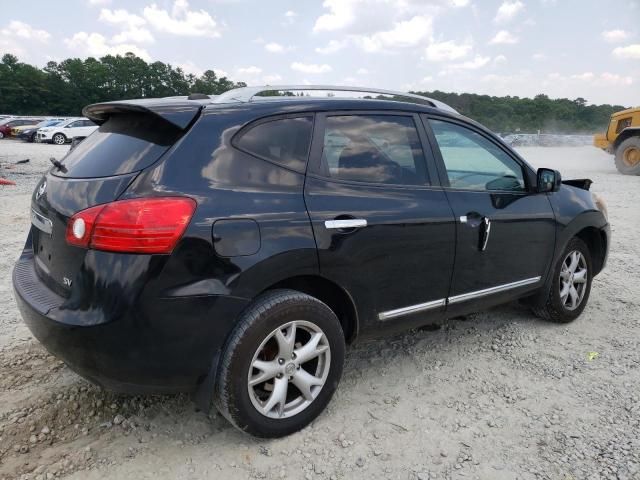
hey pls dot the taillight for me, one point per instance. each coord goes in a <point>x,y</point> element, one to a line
<point>140,225</point>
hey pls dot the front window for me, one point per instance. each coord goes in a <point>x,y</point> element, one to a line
<point>475,163</point>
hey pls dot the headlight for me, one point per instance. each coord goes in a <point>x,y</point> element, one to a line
<point>600,204</point>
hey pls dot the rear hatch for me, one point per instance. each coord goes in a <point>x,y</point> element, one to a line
<point>131,137</point>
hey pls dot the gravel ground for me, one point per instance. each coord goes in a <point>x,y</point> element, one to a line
<point>497,395</point>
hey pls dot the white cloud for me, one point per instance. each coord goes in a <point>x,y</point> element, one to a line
<point>478,62</point>
<point>25,31</point>
<point>630,51</point>
<point>342,13</point>
<point>132,26</point>
<point>447,51</point>
<point>500,60</point>
<point>539,56</point>
<point>290,17</point>
<point>97,45</point>
<point>121,18</point>
<point>251,70</point>
<point>508,10</point>
<point>99,2</point>
<point>182,21</point>
<point>137,35</point>
<point>583,76</point>
<point>331,47</point>
<point>615,36</point>
<point>274,47</point>
<point>310,68</point>
<point>503,37</point>
<point>407,33</point>
<point>362,71</point>
<point>613,79</point>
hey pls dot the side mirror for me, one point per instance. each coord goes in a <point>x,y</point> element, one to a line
<point>548,180</point>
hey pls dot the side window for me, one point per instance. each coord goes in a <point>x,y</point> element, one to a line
<point>374,149</point>
<point>88,123</point>
<point>284,141</point>
<point>475,163</point>
<point>73,124</point>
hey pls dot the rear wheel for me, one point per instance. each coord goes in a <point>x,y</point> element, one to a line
<point>571,285</point>
<point>59,139</point>
<point>1,135</point>
<point>281,365</point>
<point>628,156</point>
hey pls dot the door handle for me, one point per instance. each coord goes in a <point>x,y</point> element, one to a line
<point>345,223</point>
<point>486,231</point>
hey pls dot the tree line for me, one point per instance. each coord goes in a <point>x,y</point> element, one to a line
<point>63,88</point>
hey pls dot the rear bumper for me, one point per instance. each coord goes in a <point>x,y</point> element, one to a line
<point>158,345</point>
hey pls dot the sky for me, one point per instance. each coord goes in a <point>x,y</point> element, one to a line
<point>562,48</point>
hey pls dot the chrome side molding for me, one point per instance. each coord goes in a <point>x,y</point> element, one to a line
<point>489,291</point>
<point>421,307</point>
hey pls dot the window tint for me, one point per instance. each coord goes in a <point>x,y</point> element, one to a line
<point>284,141</point>
<point>75,124</point>
<point>373,148</point>
<point>475,163</point>
<point>125,143</point>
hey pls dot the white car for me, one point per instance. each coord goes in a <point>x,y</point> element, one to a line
<point>65,131</point>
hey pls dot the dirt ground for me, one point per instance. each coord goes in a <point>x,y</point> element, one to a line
<point>498,395</point>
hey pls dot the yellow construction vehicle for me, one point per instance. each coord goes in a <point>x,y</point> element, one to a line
<point>622,138</point>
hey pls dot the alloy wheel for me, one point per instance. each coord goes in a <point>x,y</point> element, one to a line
<point>289,369</point>
<point>573,280</point>
<point>58,139</point>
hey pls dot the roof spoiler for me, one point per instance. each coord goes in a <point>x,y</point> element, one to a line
<point>179,113</point>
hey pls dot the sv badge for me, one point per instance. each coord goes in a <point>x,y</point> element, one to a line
<point>66,281</point>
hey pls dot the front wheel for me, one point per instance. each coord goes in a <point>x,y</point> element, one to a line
<point>571,285</point>
<point>628,156</point>
<point>59,139</point>
<point>1,135</point>
<point>281,365</point>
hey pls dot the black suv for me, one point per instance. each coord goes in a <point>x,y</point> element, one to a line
<point>232,246</point>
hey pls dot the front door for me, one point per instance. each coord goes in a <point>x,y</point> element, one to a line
<point>505,231</point>
<point>383,231</point>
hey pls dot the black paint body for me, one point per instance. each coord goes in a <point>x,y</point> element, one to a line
<point>158,322</point>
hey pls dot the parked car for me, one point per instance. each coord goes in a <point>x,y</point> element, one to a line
<point>232,248</point>
<point>28,132</point>
<point>66,130</point>
<point>5,129</point>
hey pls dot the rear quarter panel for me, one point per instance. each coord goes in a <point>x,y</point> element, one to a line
<point>230,184</point>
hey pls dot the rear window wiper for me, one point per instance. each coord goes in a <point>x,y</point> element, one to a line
<point>58,164</point>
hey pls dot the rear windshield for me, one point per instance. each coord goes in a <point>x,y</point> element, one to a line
<point>125,143</point>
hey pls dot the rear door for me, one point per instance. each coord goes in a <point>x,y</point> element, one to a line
<point>383,227</point>
<point>505,230</point>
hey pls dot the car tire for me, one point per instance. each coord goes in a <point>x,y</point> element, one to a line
<point>32,138</point>
<point>59,139</point>
<point>268,403</point>
<point>572,276</point>
<point>1,135</point>
<point>628,156</point>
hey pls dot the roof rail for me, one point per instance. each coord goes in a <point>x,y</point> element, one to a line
<point>246,94</point>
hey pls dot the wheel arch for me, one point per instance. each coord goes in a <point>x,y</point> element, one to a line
<point>596,241</point>
<point>330,293</point>
<point>625,134</point>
